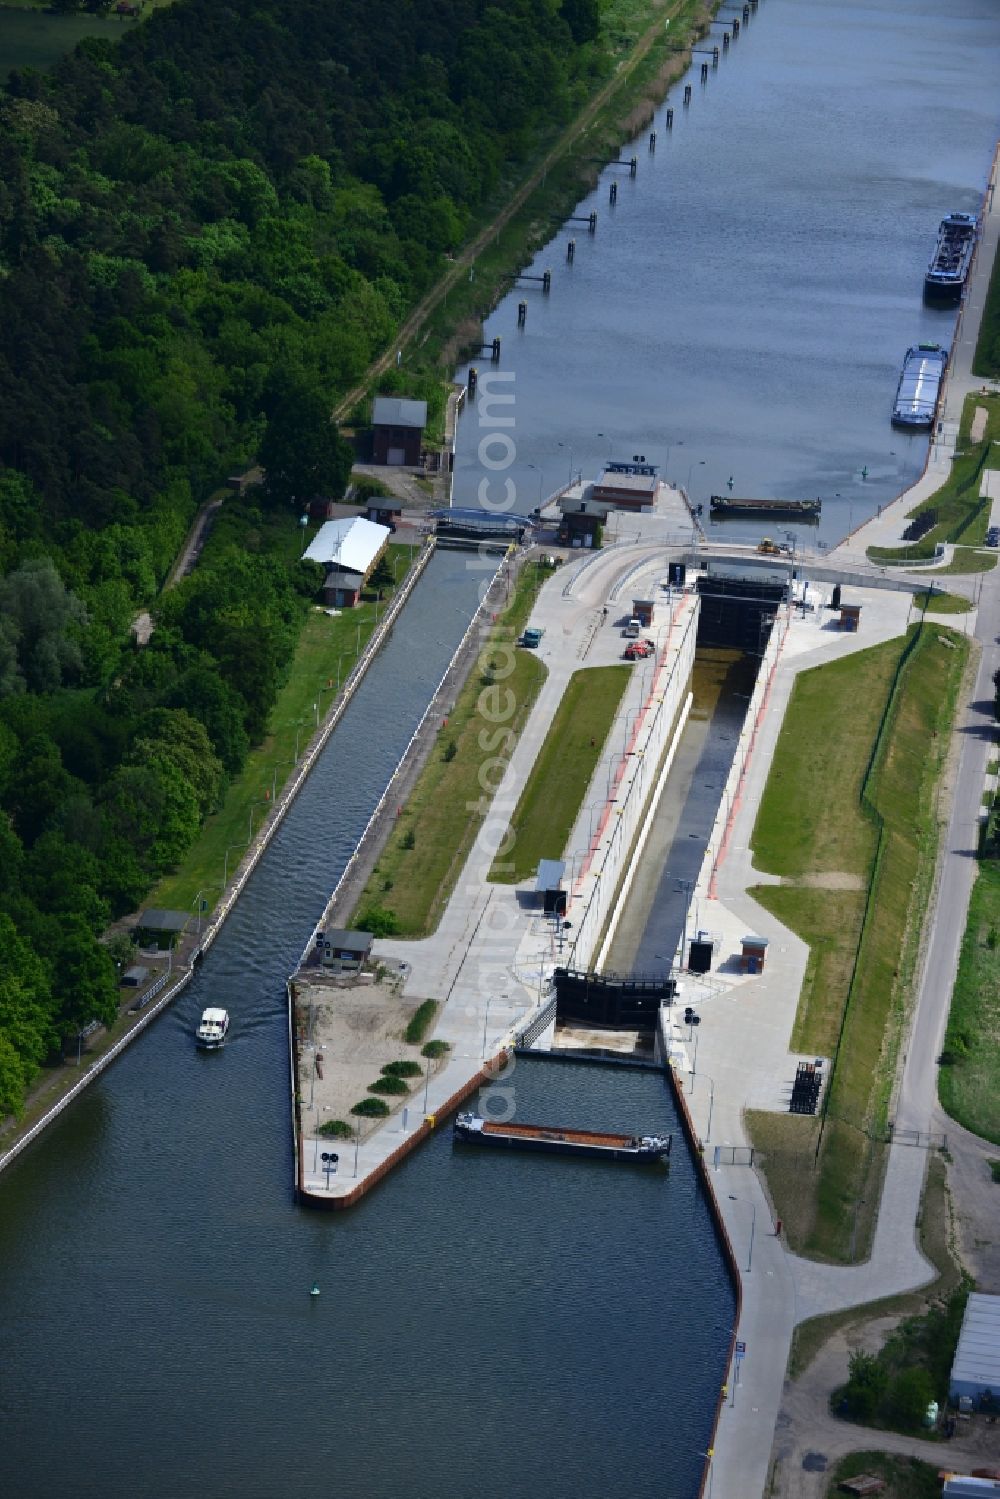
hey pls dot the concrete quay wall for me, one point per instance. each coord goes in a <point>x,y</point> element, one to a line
<point>601,885</point>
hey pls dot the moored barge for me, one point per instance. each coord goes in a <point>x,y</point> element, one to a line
<point>473,1130</point>
<point>949,267</point>
<point>723,505</point>
<point>919,386</point>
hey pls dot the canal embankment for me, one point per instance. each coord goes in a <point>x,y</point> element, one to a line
<point>489,963</point>
<point>182,963</point>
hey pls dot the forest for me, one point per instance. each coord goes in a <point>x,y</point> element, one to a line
<point>207,230</point>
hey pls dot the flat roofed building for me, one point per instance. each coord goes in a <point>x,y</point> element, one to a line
<point>628,486</point>
<point>975,1372</point>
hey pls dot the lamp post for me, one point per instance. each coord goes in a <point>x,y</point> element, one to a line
<point>427,1085</point>
<point>569,447</point>
<point>225,862</point>
<point>610,444</point>
<point>711,1101</point>
<point>753,1225</point>
<point>357,1147</point>
<point>538,471</point>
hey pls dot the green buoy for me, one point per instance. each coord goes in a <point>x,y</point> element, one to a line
<point>315,1290</point>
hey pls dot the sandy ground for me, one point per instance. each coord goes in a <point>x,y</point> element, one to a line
<point>346,1033</point>
<point>809,1440</point>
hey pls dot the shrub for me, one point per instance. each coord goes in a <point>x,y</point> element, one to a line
<point>910,1393</point>
<point>409,839</point>
<point>378,920</point>
<point>393,1085</point>
<point>866,1385</point>
<point>403,1069</point>
<point>420,1023</point>
<point>371,1108</point>
<point>435,1050</point>
<point>338,1129</point>
<point>450,751</point>
<point>995,1170</point>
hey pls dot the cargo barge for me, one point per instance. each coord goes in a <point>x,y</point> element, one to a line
<point>919,386</point>
<point>473,1130</point>
<point>949,267</point>
<point>723,505</point>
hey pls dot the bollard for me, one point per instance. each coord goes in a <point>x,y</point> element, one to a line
<point>570,249</point>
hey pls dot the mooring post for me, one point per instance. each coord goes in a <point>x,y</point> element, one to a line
<point>570,249</point>
<point>522,314</point>
<point>652,140</point>
<point>725,41</point>
<point>704,72</point>
<point>593,223</point>
<point>613,193</point>
<point>495,355</point>
<point>687,93</point>
<point>633,166</point>
<point>669,119</point>
<point>715,57</point>
<point>546,281</point>
<point>736,28</point>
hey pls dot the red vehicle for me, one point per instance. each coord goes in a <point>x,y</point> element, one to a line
<point>638,649</point>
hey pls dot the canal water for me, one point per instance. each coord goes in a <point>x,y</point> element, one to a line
<point>486,1323</point>
<point>742,313</point>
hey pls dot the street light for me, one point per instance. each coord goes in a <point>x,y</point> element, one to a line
<point>569,447</point>
<point>753,1225</point>
<point>225,862</point>
<point>711,1101</point>
<point>538,471</point>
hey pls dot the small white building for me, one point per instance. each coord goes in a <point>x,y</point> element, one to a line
<point>976,1369</point>
<point>349,549</point>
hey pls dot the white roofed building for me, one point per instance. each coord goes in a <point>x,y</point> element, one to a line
<point>349,550</point>
<point>975,1373</point>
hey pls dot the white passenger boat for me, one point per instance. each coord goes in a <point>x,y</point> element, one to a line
<point>213,1030</point>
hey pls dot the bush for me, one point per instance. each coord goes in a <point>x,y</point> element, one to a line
<point>371,1108</point>
<point>403,1069</point>
<point>338,1129</point>
<point>866,1385</point>
<point>435,1050</point>
<point>409,839</point>
<point>378,920</point>
<point>392,1085</point>
<point>420,1024</point>
<point>449,752</point>
<point>910,1393</point>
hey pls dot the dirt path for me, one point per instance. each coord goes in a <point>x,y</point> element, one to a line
<point>461,263</point>
<point>809,1441</point>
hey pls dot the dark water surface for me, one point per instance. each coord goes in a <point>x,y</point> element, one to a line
<point>477,1312</point>
<point>744,310</point>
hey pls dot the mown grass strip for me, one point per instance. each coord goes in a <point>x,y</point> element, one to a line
<point>962,517</point>
<point>877,818</point>
<point>435,831</point>
<point>986,360</point>
<point>941,603</point>
<point>969,1079</point>
<point>553,795</point>
<point>327,647</point>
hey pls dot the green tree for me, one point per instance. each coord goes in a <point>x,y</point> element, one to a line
<point>302,452</point>
<point>43,621</point>
<point>866,1385</point>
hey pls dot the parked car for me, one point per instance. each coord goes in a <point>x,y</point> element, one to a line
<point>636,650</point>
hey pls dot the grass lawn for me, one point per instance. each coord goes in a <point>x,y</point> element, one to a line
<point>906,1477</point>
<point>551,800</point>
<point>417,870</point>
<point>327,647</point>
<point>965,560</point>
<point>961,515</point>
<point>854,832</point>
<point>941,603</point>
<point>969,1083</point>
<point>986,360</point>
